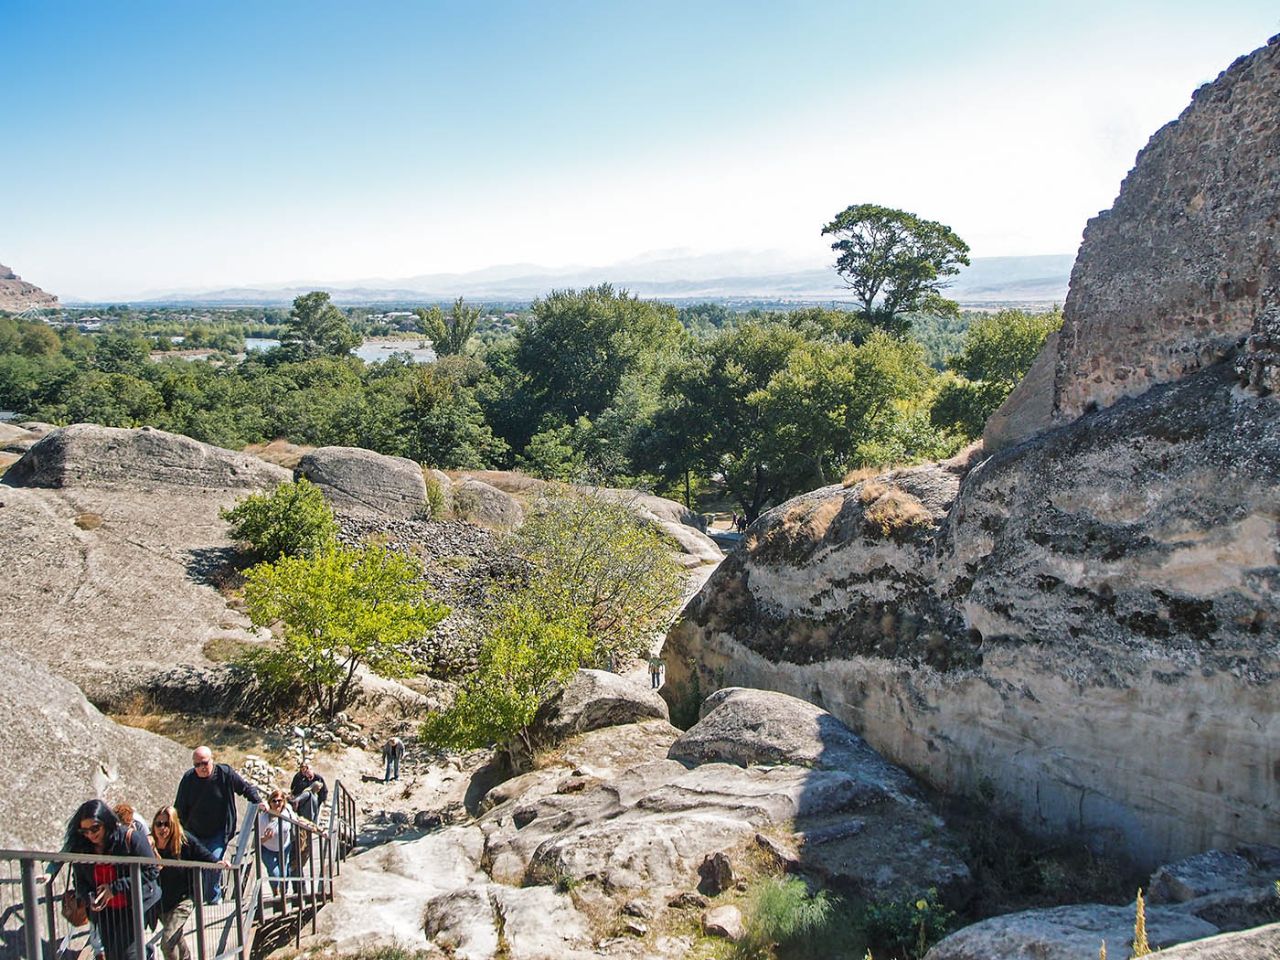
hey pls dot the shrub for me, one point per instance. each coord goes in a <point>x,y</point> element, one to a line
<point>906,928</point>
<point>88,521</point>
<point>435,496</point>
<point>340,609</point>
<point>888,509</point>
<point>783,916</point>
<point>294,520</point>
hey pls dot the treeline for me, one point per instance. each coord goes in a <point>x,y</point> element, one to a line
<point>590,385</point>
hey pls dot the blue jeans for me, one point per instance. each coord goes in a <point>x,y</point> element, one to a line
<point>277,864</point>
<point>393,769</point>
<point>213,878</point>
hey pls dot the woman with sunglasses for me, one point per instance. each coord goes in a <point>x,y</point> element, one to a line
<point>176,883</point>
<point>107,887</point>
<point>276,829</point>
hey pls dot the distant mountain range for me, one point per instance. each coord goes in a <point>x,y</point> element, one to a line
<point>665,275</point>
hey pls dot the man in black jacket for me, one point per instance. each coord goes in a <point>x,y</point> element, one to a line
<point>206,805</point>
<point>308,792</point>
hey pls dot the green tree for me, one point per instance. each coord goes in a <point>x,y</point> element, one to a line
<point>294,520</point>
<point>998,351</point>
<point>526,656</point>
<point>442,422</point>
<point>338,610</point>
<point>315,326</point>
<point>592,554</point>
<point>895,262</point>
<point>449,335</point>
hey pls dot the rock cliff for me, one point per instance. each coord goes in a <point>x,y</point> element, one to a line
<point>1087,625</point>
<point>17,295</point>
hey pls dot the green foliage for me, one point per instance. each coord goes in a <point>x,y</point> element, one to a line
<point>293,521</point>
<point>435,496</point>
<point>906,928</point>
<point>895,262</point>
<point>338,610</point>
<point>555,453</point>
<point>998,350</point>
<point>592,554</point>
<point>526,655</point>
<point>449,335</point>
<point>316,326</point>
<point>441,420</point>
<point>783,919</point>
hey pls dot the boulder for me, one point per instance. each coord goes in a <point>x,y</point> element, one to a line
<point>58,751</point>
<point>1067,933</point>
<point>1262,943</point>
<point>593,699</point>
<point>85,455</point>
<point>488,506</point>
<point>746,727</point>
<point>355,480</point>
<point>715,874</point>
<point>724,921</point>
<point>535,923</point>
<point>1213,872</point>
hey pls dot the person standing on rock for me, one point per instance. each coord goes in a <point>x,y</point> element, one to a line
<point>206,805</point>
<point>308,792</point>
<point>392,754</point>
<point>655,671</point>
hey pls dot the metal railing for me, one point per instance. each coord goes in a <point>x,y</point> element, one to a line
<point>33,885</point>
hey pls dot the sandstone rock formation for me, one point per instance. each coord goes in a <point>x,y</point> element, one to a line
<point>1089,622</point>
<point>85,455</point>
<point>488,506</point>
<point>595,699</point>
<point>17,295</point>
<point>356,480</point>
<point>56,751</point>
<point>1175,273</point>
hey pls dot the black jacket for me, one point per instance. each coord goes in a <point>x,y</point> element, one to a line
<point>231,783</point>
<point>301,784</point>
<point>176,883</point>
<point>122,844</point>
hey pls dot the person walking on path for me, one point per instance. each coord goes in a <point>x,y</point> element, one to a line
<point>308,792</point>
<point>392,754</point>
<point>656,667</point>
<point>276,830</point>
<point>206,805</point>
<point>107,888</point>
<point>176,904</point>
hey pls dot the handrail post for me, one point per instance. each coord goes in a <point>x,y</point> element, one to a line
<point>30,908</point>
<point>135,906</point>
<point>50,911</point>
<point>311,872</point>
<point>296,869</point>
<point>257,866</point>
<point>237,884</point>
<point>199,902</point>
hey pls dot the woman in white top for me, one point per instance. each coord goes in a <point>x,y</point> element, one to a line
<point>276,830</point>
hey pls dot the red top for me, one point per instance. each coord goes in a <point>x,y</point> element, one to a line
<point>106,873</point>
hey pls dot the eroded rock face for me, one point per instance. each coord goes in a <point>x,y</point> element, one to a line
<point>57,751</point>
<point>17,295</point>
<point>87,455</point>
<point>356,480</point>
<point>1175,273</point>
<point>595,699</point>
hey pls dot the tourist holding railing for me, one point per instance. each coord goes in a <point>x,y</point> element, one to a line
<point>107,888</point>
<point>276,830</point>
<point>176,883</point>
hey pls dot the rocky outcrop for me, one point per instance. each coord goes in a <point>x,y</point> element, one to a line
<point>1089,623</point>
<point>1067,933</point>
<point>16,295</point>
<point>488,506</point>
<point>57,751</point>
<point>1262,943</point>
<point>595,699</point>
<point>86,455</point>
<point>356,480</point>
<point>1175,273</point>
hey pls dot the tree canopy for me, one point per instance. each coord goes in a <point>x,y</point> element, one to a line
<point>895,262</point>
<point>449,334</point>
<point>316,326</point>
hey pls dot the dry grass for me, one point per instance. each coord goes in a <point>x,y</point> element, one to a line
<point>889,509</point>
<point>88,521</point>
<point>223,649</point>
<point>7,460</point>
<point>279,451</point>
<point>231,742</point>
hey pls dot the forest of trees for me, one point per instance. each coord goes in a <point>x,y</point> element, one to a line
<point>591,384</point>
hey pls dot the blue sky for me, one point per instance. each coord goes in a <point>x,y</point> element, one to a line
<point>157,146</point>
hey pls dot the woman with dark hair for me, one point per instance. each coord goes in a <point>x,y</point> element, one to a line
<point>176,883</point>
<point>107,887</point>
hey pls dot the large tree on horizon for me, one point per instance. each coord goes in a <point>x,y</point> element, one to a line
<point>895,263</point>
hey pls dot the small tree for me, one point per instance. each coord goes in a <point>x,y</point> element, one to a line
<point>593,554</point>
<point>895,262</point>
<point>340,609</point>
<point>449,335</point>
<point>294,520</point>
<point>315,326</point>
<point>524,658</point>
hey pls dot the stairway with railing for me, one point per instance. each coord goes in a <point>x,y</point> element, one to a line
<point>256,897</point>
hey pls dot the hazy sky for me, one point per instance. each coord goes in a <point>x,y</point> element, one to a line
<point>153,146</point>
